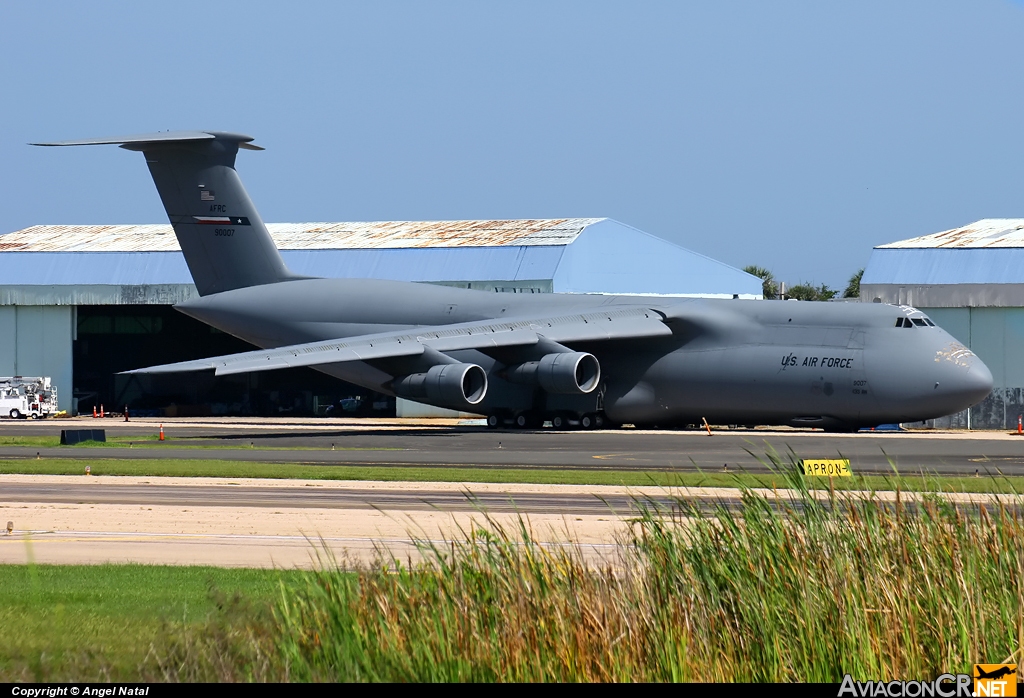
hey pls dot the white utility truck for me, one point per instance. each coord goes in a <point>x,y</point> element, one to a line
<point>22,397</point>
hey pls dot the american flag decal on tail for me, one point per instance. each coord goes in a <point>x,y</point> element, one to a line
<point>206,195</point>
<point>221,220</point>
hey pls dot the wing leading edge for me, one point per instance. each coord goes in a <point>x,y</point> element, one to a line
<point>626,323</point>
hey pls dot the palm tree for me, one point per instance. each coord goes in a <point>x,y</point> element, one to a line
<point>769,287</point>
<point>853,288</point>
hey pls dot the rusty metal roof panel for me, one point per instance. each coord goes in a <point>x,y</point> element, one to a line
<point>988,232</point>
<point>308,236</point>
<point>565,255</point>
<point>91,238</point>
<point>405,234</point>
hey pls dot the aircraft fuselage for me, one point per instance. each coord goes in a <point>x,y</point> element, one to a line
<point>833,365</point>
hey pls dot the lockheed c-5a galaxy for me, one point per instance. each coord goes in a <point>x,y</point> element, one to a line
<point>587,360</point>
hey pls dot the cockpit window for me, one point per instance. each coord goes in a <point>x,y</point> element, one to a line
<point>912,322</point>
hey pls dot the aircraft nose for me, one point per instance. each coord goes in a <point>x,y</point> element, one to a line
<point>966,385</point>
<point>978,383</point>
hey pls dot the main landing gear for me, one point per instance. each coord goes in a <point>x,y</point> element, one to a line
<point>557,420</point>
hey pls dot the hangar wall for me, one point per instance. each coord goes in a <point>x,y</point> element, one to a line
<point>50,274</point>
<point>997,336</point>
<point>970,281</point>
<point>36,341</point>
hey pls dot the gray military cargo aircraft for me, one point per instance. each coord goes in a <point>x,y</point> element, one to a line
<point>579,360</point>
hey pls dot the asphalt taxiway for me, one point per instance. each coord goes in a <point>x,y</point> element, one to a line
<point>422,443</point>
<point>237,522</point>
<point>411,497</point>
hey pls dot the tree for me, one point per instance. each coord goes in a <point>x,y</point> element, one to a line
<point>809,292</point>
<point>853,288</point>
<point>769,287</point>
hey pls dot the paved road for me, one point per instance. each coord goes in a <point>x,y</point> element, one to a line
<point>393,443</point>
<point>479,447</point>
<point>411,499</point>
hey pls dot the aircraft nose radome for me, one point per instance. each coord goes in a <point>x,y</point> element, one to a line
<point>966,385</point>
<point>978,381</point>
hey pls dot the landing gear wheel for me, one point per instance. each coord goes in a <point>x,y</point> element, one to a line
<point>525,420</point>
<point>587,421</point>
<point>15,413</point>
<point>558,422</point>
<point>493,421</point>
<point>599,421</point>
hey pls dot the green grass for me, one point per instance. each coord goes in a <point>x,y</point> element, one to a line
<point>803,594</point>
<point>100,622</point>
<point>391,473</point>
<point>777,590</point>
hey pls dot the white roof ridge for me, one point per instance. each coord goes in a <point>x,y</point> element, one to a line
<point>309,236</point>
<point>987,232</point>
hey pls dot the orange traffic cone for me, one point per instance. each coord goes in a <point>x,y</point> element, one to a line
<point>161,432</point>
<point>94,415</point>
<point>102,413</point>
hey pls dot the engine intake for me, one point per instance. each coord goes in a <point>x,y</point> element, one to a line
<point>462,385</point>
<point>568,373</point>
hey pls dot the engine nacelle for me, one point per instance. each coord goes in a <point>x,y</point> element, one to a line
<point>461,385</point>
<point>568,373</point>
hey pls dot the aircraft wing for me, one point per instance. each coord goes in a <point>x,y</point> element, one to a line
<point>619,323</point>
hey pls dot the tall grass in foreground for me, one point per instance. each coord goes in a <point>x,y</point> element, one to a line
<point>777,589</point>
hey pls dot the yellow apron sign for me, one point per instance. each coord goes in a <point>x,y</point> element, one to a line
<point>823,467</point>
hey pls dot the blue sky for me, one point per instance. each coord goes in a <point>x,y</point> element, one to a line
<point>793,135</point>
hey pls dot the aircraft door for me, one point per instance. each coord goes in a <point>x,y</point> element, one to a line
<point>858,390</point>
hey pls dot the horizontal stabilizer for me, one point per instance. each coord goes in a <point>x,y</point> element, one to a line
<point>222,237</point>
<point>160,138</point>
<point>622,323</point>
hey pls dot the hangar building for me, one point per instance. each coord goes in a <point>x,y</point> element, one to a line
<point>81,303</point>
<point>970,281</point>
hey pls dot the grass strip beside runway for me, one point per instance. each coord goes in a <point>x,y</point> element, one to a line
<point>804,593</point>
<point>776,590</point>
<point>400,473</point>
<point>99,623</point>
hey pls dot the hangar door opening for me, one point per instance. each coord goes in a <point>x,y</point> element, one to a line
<point>115,338</point>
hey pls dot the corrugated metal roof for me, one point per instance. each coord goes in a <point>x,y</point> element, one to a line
<point>308,236</point>
<point>988,232</point>
<point>605,257</point>
<point>148,268</point>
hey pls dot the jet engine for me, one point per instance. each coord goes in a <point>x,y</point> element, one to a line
<point>564,373</point>
<point>462,385</point>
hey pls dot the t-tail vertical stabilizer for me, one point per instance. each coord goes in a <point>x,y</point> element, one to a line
<point>221,235</point>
